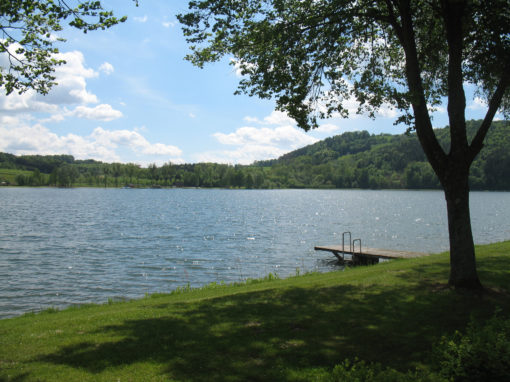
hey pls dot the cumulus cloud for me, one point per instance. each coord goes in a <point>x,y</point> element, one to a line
<point>106,68</point>
<point>275,118</point>
<point>72,81</point>
<point>242,155</point>
<point>328,128</point>
<point>478,104</point>
<point>269,138</point>
<point>71,90</point>
<point>26,102</point>
<point>101,112</point>
<point>133,140</point>
<point>281,136</point>
<point>19,137</point>
<point>37,139</point>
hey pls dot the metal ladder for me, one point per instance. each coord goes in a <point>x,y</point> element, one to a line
<point>351,244</point>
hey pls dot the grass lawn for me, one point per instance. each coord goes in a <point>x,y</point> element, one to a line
<point>267,330</point>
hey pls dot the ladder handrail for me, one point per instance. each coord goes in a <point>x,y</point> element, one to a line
<point>350,241</point>
<point>354,241</point>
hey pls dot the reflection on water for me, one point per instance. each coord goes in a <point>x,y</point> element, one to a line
<point>60,247</point>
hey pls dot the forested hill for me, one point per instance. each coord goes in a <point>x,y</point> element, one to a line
<point>350,160</point>
<point>358,159</point>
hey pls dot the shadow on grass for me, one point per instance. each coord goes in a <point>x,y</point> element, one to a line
<point>274,334</point>
<point>18,378</point>
<point>494,271</point>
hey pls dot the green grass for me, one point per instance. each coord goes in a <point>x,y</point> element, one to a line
<point>266,330</point>
<point>9,175</point>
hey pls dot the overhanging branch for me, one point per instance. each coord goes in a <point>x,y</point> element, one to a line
<point>494,104</point>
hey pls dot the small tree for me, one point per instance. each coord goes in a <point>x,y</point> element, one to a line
<point>312,55</point>
<point>117,171</point>
<point>106,171</point>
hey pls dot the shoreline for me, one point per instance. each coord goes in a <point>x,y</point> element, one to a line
<point>298,328</point>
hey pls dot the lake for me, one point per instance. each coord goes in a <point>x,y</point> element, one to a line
<point>60,247</point>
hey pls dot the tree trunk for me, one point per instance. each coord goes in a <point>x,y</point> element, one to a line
<point>463,272</point>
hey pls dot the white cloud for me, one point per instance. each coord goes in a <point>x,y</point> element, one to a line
<point>106,68</point>
<point>251,119</point>
<point>37,139</point>
<point>53,118</point>
<point>387,111</point>
<point>168,24</point>
<point>19,137</point>
<point>160,149</point>
<point>133,140</point>
<point>72,81</point>
<point>242,155</point>
<point>287,137</point>
<point>238,67</point>
<point>22,103</point>
<point>478,104</point>
<point>142,19</point>
<point>101,112</point>
<point>278,118</point>
<point>14,120</point>
<point>275,118</point>
<point>71,89</point>
<point>275,136</point>
<point>328,128</point>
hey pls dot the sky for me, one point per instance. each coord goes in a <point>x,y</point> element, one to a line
<point>127,95</point>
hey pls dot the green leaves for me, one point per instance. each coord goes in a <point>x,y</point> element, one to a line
<point>309,55</point>
<point>27,37</point>
<point>313,55</point>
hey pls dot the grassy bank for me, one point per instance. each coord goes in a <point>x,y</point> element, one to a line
<point>392,313</point>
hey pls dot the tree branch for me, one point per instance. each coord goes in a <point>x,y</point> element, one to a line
<point>433,150</point>
<point>494,104</point>
<point>453,12</point>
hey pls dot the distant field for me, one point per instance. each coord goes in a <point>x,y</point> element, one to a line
<point>9,175</point>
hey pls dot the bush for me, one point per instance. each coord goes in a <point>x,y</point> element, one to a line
<point>482,354</point>
<point>360,371</point>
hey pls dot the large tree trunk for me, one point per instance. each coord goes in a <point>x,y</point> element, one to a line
<point>463,272</point>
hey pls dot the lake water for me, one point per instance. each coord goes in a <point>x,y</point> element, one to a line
<point>60,247</point>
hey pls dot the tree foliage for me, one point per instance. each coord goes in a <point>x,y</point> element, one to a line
<point>313,55</point>
<point>29,33</point>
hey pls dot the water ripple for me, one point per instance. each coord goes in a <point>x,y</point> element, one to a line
<point>61,247</point>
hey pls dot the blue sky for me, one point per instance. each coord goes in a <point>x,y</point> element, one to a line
<point>128,95</point>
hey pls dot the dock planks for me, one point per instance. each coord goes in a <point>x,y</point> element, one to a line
<point>368,255</point>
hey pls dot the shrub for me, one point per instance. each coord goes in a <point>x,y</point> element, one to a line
<point>360,371</point>
<point>481,354</point>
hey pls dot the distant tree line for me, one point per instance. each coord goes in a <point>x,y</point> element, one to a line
<point>350,160</point>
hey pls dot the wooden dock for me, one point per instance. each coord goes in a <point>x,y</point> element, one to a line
<point>367,255</point>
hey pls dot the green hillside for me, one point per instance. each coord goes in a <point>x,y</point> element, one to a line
<point>349,160</point>
<point>361,160</point>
